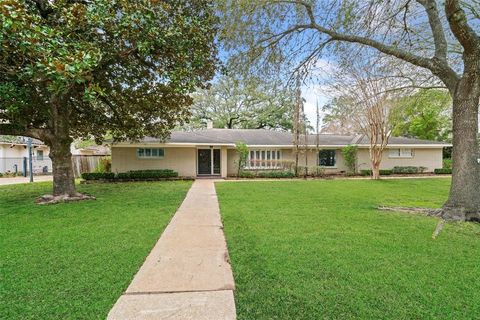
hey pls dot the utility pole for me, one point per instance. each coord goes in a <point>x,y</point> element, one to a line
<point>30,160</point>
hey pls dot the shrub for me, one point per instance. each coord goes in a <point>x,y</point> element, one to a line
<point>104,165</point>
<point>242,152</point>
<point>383,172</point>
<point>350,158</point>
<point>447,163</point>
<point>98,175</point>
<point>247,174</point>
<point>407,170</point>
<point>275,174</point>
<point>443,171</point>
<point>1,174</point>
<point>147,174</point>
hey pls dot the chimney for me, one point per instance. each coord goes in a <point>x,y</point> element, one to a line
<point>209,124</point>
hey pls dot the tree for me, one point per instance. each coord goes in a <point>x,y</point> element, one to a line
<point>349,154</point>
<point>239,102</point>
<point>73,69</point>
<point>242,151</point>
<point>424,115</point>
<point>442,39</point>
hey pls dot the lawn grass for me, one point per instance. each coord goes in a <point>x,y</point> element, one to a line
<point>321,250</point>
<point>73,260</point>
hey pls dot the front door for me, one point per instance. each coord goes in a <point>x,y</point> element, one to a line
<point>204,161</point>
<point>208,161</point>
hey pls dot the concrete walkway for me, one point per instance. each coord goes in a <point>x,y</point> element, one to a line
<point>187,275</point>
<point>19,180</point>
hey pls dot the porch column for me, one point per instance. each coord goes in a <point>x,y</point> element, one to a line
<point>223,162</point>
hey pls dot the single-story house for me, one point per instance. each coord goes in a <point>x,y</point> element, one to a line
<point>211,152</point>
<point>14,152</point>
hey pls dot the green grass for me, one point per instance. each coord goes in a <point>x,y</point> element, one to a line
<point>320,250</point>
<point>73,260</point>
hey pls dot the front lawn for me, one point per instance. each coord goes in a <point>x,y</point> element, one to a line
<point>73,261</point>
<point>320,250</point>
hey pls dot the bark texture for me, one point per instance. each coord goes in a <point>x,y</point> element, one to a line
<point>63,177</point>
<point>464,199</point>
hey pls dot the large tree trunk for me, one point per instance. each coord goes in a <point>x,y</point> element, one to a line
<point>464,199</point>
<point>63,177</point>
<point>59,143</point>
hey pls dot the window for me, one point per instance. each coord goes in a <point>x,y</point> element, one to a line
<point>264,159</point>
<point>151,153</point>
<point>326,158</point>
<point>40,155</point>
<point>401,153</point>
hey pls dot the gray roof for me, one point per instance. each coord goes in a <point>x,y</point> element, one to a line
<point>262,137</point>
<point>18,140</point>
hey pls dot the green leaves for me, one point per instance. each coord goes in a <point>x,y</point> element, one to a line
<point>424,115</point>
<point>126,65</point>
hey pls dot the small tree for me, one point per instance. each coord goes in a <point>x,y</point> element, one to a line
<point>242,152</point>
<point>350,158</point>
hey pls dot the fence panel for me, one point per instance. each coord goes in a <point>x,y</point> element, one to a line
<point>43,165</point>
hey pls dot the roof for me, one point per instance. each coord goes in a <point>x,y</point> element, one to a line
<point>261,137</point>
<point>18,140</point>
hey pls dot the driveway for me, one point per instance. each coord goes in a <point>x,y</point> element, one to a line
<point>18,180</point>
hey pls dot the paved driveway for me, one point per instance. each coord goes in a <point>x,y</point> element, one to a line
<point>18,180</point>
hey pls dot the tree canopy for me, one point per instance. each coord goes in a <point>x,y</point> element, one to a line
<point>237,102</point>
<point>72,69</point>
<point>424,115</point>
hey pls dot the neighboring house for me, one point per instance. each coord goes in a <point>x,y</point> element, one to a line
<point>14,151</point>
<point>93,150</point>
<point>212,152</point>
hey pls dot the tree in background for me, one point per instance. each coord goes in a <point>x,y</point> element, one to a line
<point>439,37</point>
<point>243,102</point>
<point>424,115</point>
<point>80,69</point>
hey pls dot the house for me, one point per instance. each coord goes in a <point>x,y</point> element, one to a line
<point>93,150</point>
<point>211,152</point>
<point>14,152</point>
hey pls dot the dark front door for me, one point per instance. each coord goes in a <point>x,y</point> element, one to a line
<point>204,161</point>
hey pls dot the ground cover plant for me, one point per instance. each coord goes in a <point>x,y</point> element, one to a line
<point>73,260</point>
<point>321,250</point>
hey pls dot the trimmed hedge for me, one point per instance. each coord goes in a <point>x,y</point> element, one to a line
<point>408,170</point>
<point>383,172</point>
<point>98,175</point>
<point>443,171</point>
<point>275,174</point>
<point>131,175</point>
<point>267,174</point>
<point>147,174</point>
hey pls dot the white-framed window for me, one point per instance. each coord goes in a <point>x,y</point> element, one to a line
<point>40,155</point>
<point>150,153</point>
<point>401,153</point>
<point>264,159</point>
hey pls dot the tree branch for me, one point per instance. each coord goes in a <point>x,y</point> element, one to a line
<point>437,29</point>
<point>457,20</point>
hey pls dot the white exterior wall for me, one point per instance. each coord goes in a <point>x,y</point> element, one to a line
<point>11,155</point>
<point>431,158</point>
